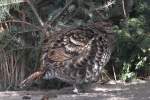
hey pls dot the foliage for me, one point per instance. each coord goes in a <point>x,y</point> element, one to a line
<point>22,32</point>
<point>19,40</point>
<point>6,5</point>
<point>133,49</point>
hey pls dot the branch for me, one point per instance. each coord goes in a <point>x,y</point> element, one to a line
<point>106,5</point>
<point>59,14</point>
<point>11,2</point>
<point>5,45</point>
<point>44,28</point>
<point>23,48</point>
<point>35,12</point>
<point>124,10</point>
<point>115,77</point>
<point>19,21</point>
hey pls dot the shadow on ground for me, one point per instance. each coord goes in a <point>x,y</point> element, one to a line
<point>138,90</point>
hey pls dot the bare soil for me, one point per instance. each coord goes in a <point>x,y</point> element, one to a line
<point>136,90</point>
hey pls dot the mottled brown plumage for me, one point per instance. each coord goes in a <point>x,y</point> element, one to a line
<point>78,54</point>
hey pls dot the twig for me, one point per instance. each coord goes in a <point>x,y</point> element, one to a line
<point>5,45</point>
<point>19,21</point>
<point>23,48</point>
<point>44,28</point>
<point>11,2</point>
<point>124,10</point>
<point>114,73</point>
<point>35,12</point>
<point>66,6</point>
<point>106,5</point>
<point>106,75</point>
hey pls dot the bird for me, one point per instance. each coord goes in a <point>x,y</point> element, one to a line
<point>77,55</point>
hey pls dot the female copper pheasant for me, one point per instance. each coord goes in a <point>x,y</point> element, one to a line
<point>78,54</point>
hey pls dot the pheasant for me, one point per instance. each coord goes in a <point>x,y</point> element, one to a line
<point>77,55</point>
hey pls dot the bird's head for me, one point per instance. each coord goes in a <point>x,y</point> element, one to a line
<point>104,27</point>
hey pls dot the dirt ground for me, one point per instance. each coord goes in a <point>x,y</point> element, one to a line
<point>137,90</point>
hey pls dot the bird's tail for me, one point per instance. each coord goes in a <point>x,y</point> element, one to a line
<point>28,81</point>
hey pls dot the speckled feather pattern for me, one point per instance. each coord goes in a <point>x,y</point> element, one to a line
<point>78,55</point>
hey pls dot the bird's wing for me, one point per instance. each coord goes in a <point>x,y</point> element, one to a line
<point>58,55</point>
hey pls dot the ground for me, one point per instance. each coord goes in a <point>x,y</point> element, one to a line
<point>137,90</point>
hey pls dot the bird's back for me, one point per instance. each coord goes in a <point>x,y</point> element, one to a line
<point>79,54</point>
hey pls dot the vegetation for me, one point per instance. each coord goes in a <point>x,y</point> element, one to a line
<point>26,24</point>
<point>133,46</point>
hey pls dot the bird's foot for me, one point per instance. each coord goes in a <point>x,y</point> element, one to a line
<point>78,89</point>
